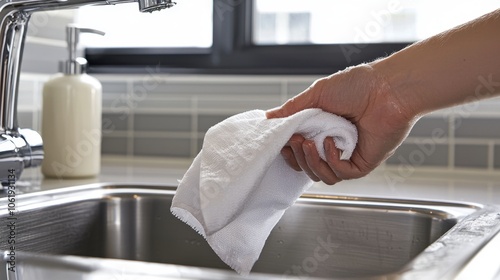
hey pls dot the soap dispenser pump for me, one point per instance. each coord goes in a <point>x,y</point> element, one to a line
<point>71,116</point>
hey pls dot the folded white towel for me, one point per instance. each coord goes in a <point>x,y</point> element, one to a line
<point>239,186</point>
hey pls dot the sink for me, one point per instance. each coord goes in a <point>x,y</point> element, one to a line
<point>319,236</point>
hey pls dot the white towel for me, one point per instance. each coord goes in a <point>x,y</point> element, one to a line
<point>239,185</point>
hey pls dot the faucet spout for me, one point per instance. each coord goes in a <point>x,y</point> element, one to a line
<point>20,148</point>
<point>154,5</point>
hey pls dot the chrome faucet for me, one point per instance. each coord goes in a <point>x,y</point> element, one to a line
<point>21,148</point>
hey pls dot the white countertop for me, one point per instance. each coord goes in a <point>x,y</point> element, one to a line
<point>466,185</point>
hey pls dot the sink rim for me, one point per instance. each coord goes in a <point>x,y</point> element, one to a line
<point>98,190</point>
<point>434,260</point>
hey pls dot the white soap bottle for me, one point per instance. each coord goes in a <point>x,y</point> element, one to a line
<point>71,117</point>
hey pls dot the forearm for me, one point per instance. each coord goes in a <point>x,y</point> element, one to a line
<point>454,67</point>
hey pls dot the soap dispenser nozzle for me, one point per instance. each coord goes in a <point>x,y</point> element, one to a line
<point>76,65</point>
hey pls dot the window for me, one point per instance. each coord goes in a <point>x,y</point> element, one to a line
<point>188,24</point>
<point>266,36</point>
<point>359,21</point>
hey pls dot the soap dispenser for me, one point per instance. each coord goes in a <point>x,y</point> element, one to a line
<point>71,116</point>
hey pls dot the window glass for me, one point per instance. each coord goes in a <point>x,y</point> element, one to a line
<point>359,21</point>
<point>187,24</point>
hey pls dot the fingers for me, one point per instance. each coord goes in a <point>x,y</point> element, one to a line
<point>296,143</point>
<point>302,155</point>
<point>290,107</point>
<point>343,169</point>
<point>287,154</point>
<point>318,166</point>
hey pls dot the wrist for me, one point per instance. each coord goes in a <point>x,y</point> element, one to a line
<point>402,88</point>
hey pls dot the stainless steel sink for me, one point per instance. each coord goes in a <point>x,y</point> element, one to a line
<point>320,236</point>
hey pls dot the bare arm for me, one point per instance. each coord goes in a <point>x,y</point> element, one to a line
<point>386,97</point>
<point>454,67</point>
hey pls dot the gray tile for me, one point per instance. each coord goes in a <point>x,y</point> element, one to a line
<point>477,128</point>
<point>25,119</point>
<point>207,121</point>
<point>230,88</point>
<point>115,103</point>
<point>50,25</point>
<point>170,122</point>
<point>40,58</point>
<point>115,97</point>
<point>416,155</point>
<point>296,88</point>
<point>496,159</point>
<point>430,127</point>
<point>114,145</point>
<point>114,122</point>
<point>113,87</point>
<point>162,147</point>
<point>471,156</point>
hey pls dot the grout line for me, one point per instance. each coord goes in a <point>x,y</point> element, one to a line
<point>491,155</point>
<point>160,134</point>
<point>207,79</point>
<point>478,141</point>
<point>151,111</point>
<point>116,134</point>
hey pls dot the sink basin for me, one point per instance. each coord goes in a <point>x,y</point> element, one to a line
<point>320,236</point>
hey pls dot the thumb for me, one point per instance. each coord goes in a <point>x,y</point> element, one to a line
<point>296,104</point>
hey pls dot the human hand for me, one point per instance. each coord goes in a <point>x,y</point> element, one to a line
<point>362,96</point>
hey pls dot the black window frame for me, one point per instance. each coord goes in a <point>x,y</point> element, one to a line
<point>233,52</point>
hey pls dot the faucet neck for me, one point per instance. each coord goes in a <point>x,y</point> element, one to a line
<point>12,35</point>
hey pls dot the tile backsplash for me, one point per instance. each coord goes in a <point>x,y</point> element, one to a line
<point>168,115</point>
